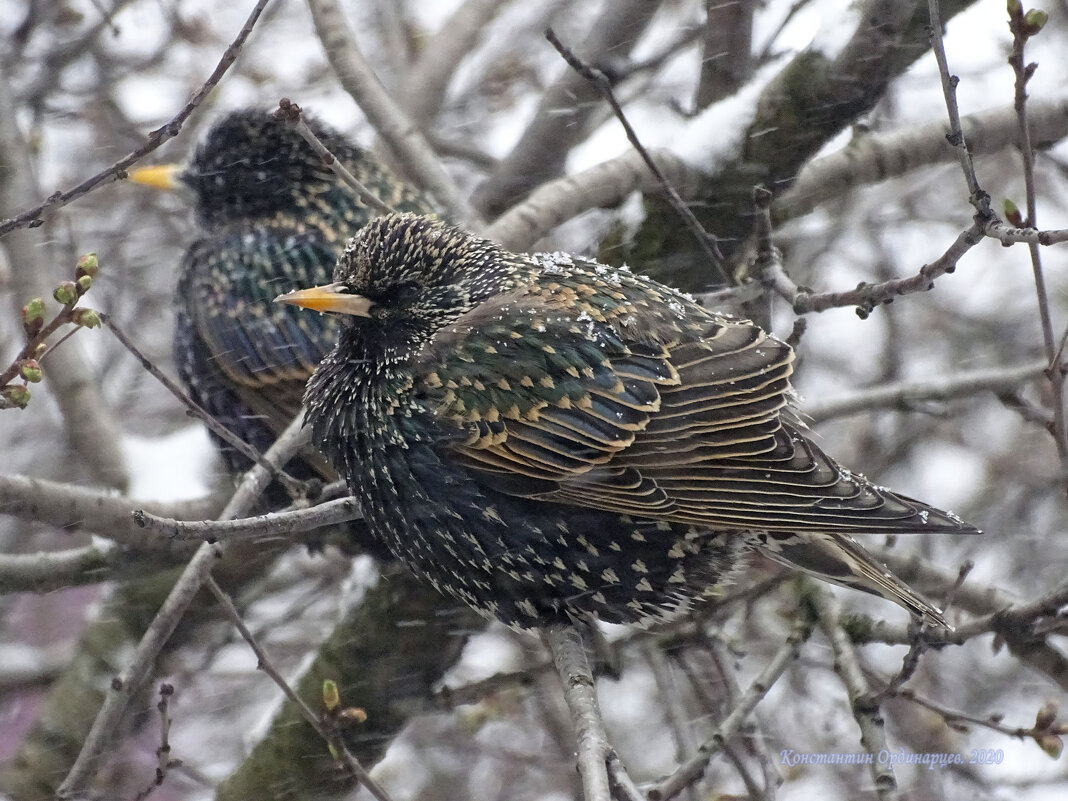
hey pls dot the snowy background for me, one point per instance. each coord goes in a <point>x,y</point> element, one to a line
<point>83,91</point>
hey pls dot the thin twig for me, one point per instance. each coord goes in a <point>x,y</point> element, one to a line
<point>909,663</point>
<point>291,484</point>
<point>1023,72</point>
<point>755,745</point>
<point>671,701</point>
<point>117,171</point>
<point>691,770</point>
<point>867,296</point>
<point>979,198</point>
<point>864,706</point>
<point>265,664</point>
<point>273,524</point>
<point>767,261</point>
<point>569,656</point>
<point>688,36</point>
<point>1015,620</point>
<point>953,716</point>
<point>164,763</point>
<point>475,691</point>
<point>128,682</point>
<point>1010,235</point>
<point>598,79</point>
<point>290,113</point>
<point>63,317</point>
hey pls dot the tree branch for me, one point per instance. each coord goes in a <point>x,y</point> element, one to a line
<point>263,662</point>
<point>873,157</point>
<point>428,78</point>
<point>602,186</point>
<point>903,394</point>
<point>569,656</point>
<point>865,711</point>
<point>117,171</point>
<point>130,680</point>
<point>272,524</point>
<point>400,133</point>
<point>691,770</point>
<point>96,511</point>
<point>89,425</point>
<point>565,107</point>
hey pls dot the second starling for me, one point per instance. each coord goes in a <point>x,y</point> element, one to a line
<point>273,217</point>
<point>543,436</point>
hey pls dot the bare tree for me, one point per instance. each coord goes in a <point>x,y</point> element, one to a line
<point>929,315</point>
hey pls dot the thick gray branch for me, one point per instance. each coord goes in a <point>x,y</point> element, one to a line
<point>96,511</point>
<point>604,185</point>
<point>429,76</point>
<point>566,106</point>
<point>871,158</point>
<point>400,133</point>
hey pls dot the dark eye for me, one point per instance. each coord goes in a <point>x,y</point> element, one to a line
<point>406,293</point>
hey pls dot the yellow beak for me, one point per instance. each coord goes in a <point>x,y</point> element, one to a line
<point>328,298</point>
<point>162,176</point>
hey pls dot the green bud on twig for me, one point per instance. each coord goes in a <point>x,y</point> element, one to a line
<point>331,696</point>
<point>16,395</point>
<point>66,293</point>
<point>1014,7</point>
<point>1012,214</point>
<point>33,316</point>
<point>87,265</point>
<point>86,318</point>
<point>1046,716</point>
<point>39,351</point>
<point>1051,744</point>
<point>30,371</point>
<point>84,283</point>
<point>1034,21</point>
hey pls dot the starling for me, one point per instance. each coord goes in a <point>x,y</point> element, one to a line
<point>544,437</point>
<point>273,217</point>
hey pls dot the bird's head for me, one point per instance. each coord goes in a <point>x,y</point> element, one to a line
<point>409,274</point>
<point>250,166</point>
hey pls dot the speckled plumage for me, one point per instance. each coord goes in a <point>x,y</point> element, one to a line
<point>273,218</point>
<point>543,435</point>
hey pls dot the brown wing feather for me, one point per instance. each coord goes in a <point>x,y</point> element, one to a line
<point>639,411</point>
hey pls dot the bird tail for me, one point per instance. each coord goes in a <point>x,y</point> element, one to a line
<point>840,559</point>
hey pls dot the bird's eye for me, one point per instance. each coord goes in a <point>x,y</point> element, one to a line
<point>406,293</point>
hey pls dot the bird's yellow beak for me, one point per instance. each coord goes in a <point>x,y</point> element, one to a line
<point>329,298</point>
<point>162,176</point>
